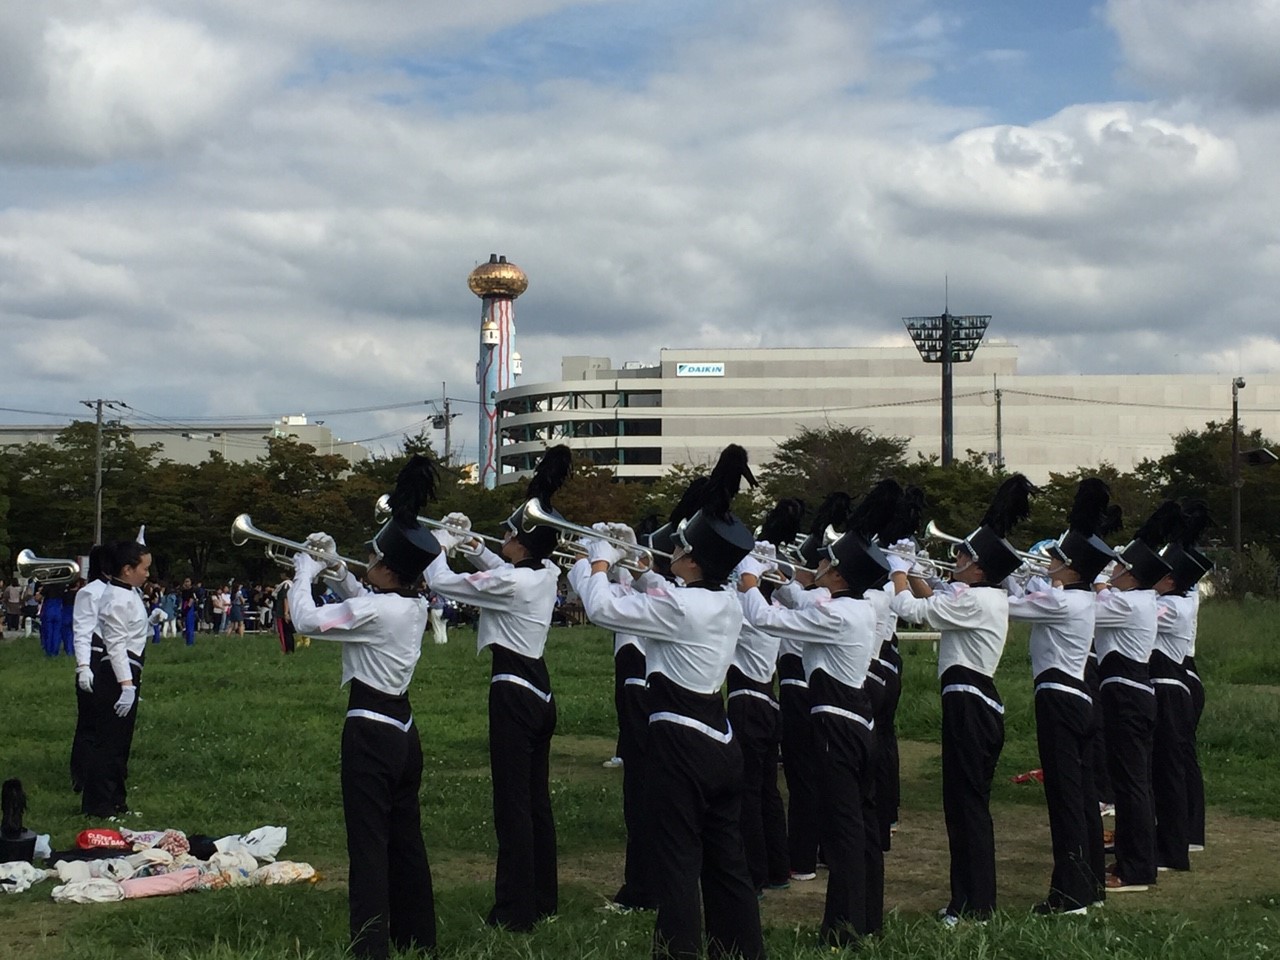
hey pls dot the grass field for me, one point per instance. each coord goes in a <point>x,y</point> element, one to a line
<point>233,735</point>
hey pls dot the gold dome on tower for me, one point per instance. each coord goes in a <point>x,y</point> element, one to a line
<point>498,278</point>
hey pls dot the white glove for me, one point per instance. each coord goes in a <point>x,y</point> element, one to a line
<point>448,541</point>
<point>749,565</point>
<point>600,526</point>
<point>459,520</point>
<point>620,531</point>
<point>766,549</point>
<point>905,545</point>
<point>598,550</point>
<point>322,543</point>
<point>899,564</point>
<point>306,567</point>
<point>84,677</point>
<point>157,616</point>
<point>128,696</point>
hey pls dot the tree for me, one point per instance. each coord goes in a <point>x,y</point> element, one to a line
<point>820,460</point>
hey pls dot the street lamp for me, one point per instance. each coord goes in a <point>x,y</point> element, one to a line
<point>1236,482</point>
<point>946,340</point>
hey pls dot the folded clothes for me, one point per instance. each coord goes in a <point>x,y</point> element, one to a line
<point>19,876</point>
<point>161,885</point>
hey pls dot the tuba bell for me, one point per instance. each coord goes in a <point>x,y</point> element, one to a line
<point>46,569</point>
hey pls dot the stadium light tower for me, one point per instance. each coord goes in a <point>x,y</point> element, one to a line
<point>946,340</point>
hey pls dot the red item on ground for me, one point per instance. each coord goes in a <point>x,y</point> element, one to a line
<point>97,838</point>
<point>1037,775</point>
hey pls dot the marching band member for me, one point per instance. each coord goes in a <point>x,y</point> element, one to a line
<point>380,628</point>
<point>638,885</point>
<point>1060,609</point>
<point>837,637</point>
<point>885,672</point>
<point>799,758</point>
<point>754,716</point>
<point>84,626</point>
<point>516,596</point>
<point>972,615</point>
<point>1174,740</point>
<point>1125,635</point>
<point>694,788</point>
<point>116,657</point>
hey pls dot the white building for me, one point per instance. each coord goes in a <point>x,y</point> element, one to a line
<point>185,444</point>
<point>692,403</point>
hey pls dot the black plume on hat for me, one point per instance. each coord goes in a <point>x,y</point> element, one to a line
<point>689,501</point>
<point>415,485</point>
<point>783,522</point>
<point>1089,509</point>
<point>870,514</point>
<point>1160,526</point>
<point>647,526</point>
<point>1193,522</point>
<point>906,518</point>
<point>725,480</point>
<point>832,512</point>
<point>1113,521</point>
<point>550,474</point>
<point>1011,505</point>
<point>13,804</point>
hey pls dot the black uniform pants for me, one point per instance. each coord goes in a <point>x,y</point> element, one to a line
<point>85,718</point>
<point>1195,778</point>
<point>888,792</point>
<point>1097,756</point>
<point>389,889</point>
<point>849,829</point>
<point>1064,726</point>
<point>754,716</point>
<point>521,723</point>
<point>106,742</point>
<point>1175,720</point>
<point>637,889</point>
<point>972,738</point>
<point>799,765</point>
<point>1130,717</point>
<point>694,793</point>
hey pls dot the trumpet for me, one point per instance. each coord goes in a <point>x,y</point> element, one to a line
<point>282,551</point>
<point>634,554</point>
<point>46,569</point>
<point>472,544</point>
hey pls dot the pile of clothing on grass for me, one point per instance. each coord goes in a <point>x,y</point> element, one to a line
<point>107,865</point>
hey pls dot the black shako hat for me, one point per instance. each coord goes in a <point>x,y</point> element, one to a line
<point>1189,565</point>
<point>403,545</point>
<point>663,538</point>
<point>548,477</point>
<point>988,544</point>
<point>825,529</point>
<point>856,556</point>
<point>1082,547</point>
<point>716,539</point>
<point>1141,554</point>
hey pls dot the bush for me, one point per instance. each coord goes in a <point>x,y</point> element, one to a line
<point>1253,573</point>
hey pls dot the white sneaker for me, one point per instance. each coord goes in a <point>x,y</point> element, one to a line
<point>612,762</point>
<point>1195,848</point>
<point>803,876</point>
<point>1107,809</point>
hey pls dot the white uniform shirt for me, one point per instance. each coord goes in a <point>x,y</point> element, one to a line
<point>628,583</point>
<point>1176,625</point>
<point>886,619</point>
<point>793,597</point>
<point>380,633</point>
<point>836,633</point>
<point>1195,622</point>
<point>757,649</point>
<point>515,603</point>
<point>84,619</point>
<point>1061,627</point>
<point>974,622</point>
<point>691,632</point>
<point>1125,623</point>
<point>122,624</point>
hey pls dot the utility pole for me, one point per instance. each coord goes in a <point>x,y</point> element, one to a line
<point>97,474</point>
<point>448,418</point>
<point>999,426</point>
<point>1236,480</point>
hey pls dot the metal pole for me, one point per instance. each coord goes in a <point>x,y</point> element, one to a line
<point>999,428</point>
<point>947,422</point>
<point>1236,481</point>
<point>97,481</point>
<point>444,392</point>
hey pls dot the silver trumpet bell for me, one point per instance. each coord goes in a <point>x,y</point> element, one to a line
<point>282,551</point>
<point>46,569</point>
<point>633,554</point>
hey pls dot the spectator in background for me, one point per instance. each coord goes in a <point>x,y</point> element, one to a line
<point>235,611</point>
<point>219,605</point>
<point>190,601</point>
<point>284,622</point>
<point>436,618</point>
<point>266,603</point>
<point>169,604</point>
<point>13,605</point>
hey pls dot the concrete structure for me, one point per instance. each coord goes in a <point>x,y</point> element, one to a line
<point>236,442</point>
<point>497,283</point>
<point>691,403</point>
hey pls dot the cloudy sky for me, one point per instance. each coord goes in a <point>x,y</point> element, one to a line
<point>231,208</point>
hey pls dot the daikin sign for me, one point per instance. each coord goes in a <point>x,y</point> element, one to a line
<point>699,369</point>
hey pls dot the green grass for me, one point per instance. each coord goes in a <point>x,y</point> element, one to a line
<point>233,735</point>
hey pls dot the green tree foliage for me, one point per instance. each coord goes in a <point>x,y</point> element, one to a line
<point>818,461</point>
